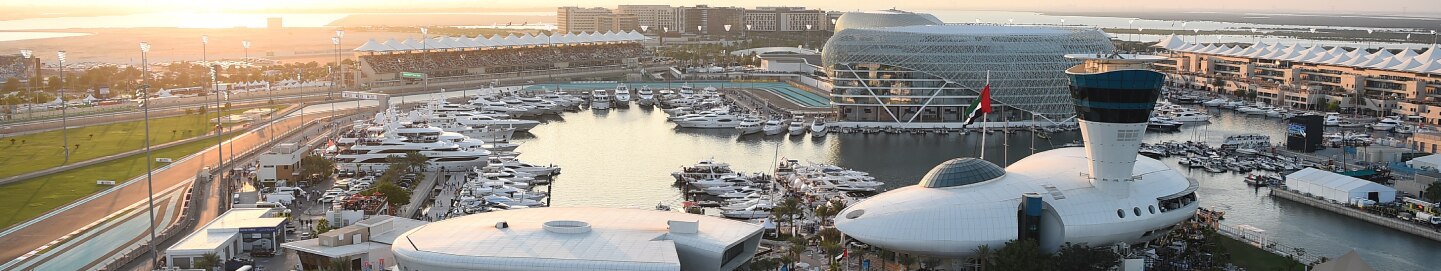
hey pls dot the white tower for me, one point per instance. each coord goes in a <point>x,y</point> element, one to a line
<point>1114,96</point>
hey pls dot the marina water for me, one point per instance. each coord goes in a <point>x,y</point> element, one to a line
<point>624,157</point>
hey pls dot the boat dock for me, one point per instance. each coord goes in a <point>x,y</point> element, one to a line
<point>1389,222</point>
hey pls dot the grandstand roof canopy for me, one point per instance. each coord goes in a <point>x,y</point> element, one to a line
<point>442,43</point>
<point>1407,60</point>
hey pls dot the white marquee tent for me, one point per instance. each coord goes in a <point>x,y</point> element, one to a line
<point>1337,187</point>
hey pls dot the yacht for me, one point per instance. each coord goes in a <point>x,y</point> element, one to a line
<point>1190,116</point>
<point>371,151</point>
<point>1276,113</point>
<point>1215,102</point>
<point>1247,141</point>
<point>1162,124</point>
<point>599,99</point>
<point>749,125</point>
<point>1386,124</point>
<point>489,121</point>
<point>1233,104</point>
<point>818,128</point>
<point>1405,129</point>
<point>622,96</point>
<point>485,104</point>
<point>773,127</point>
<point>753,212</point>
<point>686,90</point>
<point>797,126</point>
<point>722,120</point>
<point>1333,119</point>
<point>645,97</point>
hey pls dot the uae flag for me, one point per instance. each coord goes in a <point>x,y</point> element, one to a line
<point>980,107</point>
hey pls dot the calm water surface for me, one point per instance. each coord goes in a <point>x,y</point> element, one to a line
<point>624,157</point>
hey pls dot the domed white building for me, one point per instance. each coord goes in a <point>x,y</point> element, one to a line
<point>578,239</point>
<point>1098,195</point>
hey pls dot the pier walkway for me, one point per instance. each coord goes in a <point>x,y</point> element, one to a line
<point>1389,222</point>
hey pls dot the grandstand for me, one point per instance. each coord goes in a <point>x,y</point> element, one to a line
<point>13,66</point>
<point>461,58</point>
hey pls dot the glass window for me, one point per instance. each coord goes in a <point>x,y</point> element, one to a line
<point>1136,210</point>
<point>1121,213</point>
<point>1152,208</point>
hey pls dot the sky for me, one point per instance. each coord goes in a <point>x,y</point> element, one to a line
<point>1388,7</point>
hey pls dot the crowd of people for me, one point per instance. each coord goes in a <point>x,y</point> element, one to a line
<point>498,59</point>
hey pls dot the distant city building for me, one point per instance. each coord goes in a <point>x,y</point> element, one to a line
<point>1384,81</point>
<point>707,20</point>
<point>578,19</point>
<point>901,69</point>
<point>579,239</point>
<point>366,243</point>
<point>655,18</point>
<point>237,231</point>
<point>274,23</point>
<point>786,19</point>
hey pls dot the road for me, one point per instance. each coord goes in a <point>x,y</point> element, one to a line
<point>27,236</point>
<point>41,125</point>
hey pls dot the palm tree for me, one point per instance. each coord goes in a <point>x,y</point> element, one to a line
<point>416,161</point>
<point>983,256</point>
<point>207,261</point>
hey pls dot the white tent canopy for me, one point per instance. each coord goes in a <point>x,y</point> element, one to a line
<point>504,41</point>
<point>372,46</point>
<point>1336,187</point>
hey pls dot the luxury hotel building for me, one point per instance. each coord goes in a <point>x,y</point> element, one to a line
<point>1378,82</point>
<point>899,68</point>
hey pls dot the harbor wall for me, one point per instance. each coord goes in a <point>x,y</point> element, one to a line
<point>1389,222</point>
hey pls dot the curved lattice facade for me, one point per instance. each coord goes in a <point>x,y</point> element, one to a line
<point>930,73</point>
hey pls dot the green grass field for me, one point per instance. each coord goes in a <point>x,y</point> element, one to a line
<point>30,198</point>
<point>1252,258</point>
<point>39,151</point>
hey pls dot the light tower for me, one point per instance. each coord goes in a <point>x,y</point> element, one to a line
<point>1114,96</point>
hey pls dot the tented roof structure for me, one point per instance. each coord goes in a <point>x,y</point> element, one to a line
<point>1430,55</point>
<point>372,46</point>
<point>1428,67</point>
<point>493,41</point>
<point>1341,188</point>
<point>1170,42</point>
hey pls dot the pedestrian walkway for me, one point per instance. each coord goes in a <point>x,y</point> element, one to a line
<point>445,200</point>
<point>422,193</point>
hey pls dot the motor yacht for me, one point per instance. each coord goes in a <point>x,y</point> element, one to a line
<point>686,91</point>
<point>797,126</point>
<point>599,99</point>
<point>1162,124</point>
<point>622,96</point>
<point>818,127</point>
<point>371,152</point>
<point>489,121</point>
<point>645,97</point>
<point>1190,116</point>
<point>749,125</point>
<point>485,104</point>
<point>1333,119</point>
<point>773,127</point>
<point>1215,102</point>
<point>723,120</point>
<point>1386,124</point>
<point>1233,104</point>
<point>757,211</point>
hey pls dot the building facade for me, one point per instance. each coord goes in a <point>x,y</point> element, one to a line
<point>237,231</point>
<point>930,74</point>
<point>654,17</point>
<point>786,19</point>
<point>1376,82</point>
<point>280,165</point>
<point>578,19</point>
<point>707,20</point>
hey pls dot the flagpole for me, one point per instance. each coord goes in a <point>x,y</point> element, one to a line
<point>985,116</point>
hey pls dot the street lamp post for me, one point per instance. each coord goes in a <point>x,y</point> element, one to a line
<point>149,176</point>
<point>205,58</point>
<point>64,118</point>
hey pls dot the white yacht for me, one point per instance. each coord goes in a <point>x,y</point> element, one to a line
<point>749,125</point>
<point>757,211</point>
<point>1386,124</point>
<point>644,96</point>
<point>686,90</point>
<point>1190,116</point>
<point>797,126</point>
<point>489,121</point>
<point>484,104</point>
<point>723,120</point>
<point>1215,102</point>
<point>773,127</point>
<point>1333,119</point>
<point>371,151</point>
<point>622,96</point>
<point>818,128</point>
<point>599,99</point>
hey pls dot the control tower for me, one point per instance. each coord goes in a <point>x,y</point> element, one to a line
<point>1114,96</point>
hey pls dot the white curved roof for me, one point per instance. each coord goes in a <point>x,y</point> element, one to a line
<point>616,239</point>
<point>952,221</point>
<point>1431,54</point>
<point>1406,54</point>
<point>437,43</point>
<point>1405,65</point>
<point>1429,67</point>
<point>412,44</point>
<point>1170,42</point>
